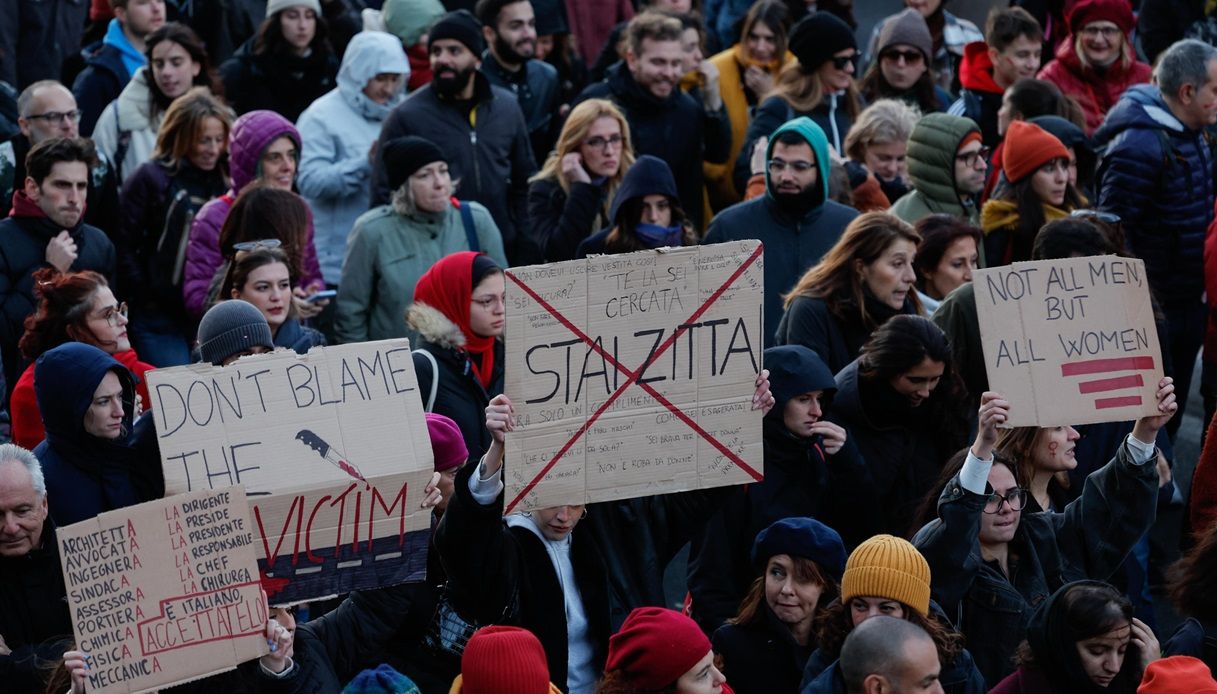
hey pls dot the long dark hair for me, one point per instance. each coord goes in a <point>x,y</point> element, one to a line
<point>1031,214</point>
<point>624,236</point>
<point>1190,581</point>
<point>185,37</point>
<point>270,38</point>
<point>262,212</point>
<point>874,86</point>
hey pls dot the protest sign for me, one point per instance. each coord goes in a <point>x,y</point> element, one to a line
<point>1070,341</point>
<point>333,451</point>
<point>164,592</point>
<point>633,374</point>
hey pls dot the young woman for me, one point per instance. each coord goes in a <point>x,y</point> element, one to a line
<point>946,257</point>
<point>992,562</point>
<point>1098,62</point>
<point>1036,167</point>
<point>658,651</point>
<point>160,199</point>
<point>747,73</point>
<point>950,35</point>
<point>392,246</point>
<point>287,65</point>
<point>877,146</point>
<point>819,84</point>
<point>263,277</point>
<point>887,576</point>
<point>127,130</point>
<point>902,67</point>
<point>646,213</point>
<point>1044,457</point>
<point>766,645</point>
<point>72,307</point>
<point>568,197</point>
<point>1082,639</point>
<point>864,280</point>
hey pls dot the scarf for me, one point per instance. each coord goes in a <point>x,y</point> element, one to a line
<point>448,288</point>
<point>655,236</point>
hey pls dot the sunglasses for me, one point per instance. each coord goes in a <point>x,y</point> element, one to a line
<point>910,57</point>
<point>249,246</point>
<point>841,62</point>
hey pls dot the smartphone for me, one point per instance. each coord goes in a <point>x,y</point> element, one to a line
<point>322,295</point>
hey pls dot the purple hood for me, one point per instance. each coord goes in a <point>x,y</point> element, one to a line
<point>251,135</point>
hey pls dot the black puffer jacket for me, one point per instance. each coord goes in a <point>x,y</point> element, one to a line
<point>278,82</point>
<point>34,616</point>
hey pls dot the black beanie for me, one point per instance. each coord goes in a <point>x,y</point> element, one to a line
<point>817,37</point>
<point>461,26</point>
<point>405,155</point>
<point>483,265</point>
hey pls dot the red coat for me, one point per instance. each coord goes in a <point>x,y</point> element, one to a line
<point>1096,93</point>
<point>1023,681</point>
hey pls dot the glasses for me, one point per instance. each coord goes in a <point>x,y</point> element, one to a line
<point>56,116</point>
<point>249,246</point>
<point>778,166</point>
<point>1016,498</point>
<point>1105,217</point>
<point>909,57</point>
<point>112,313</point>
<point>1104,31</point>
<point>840,63</point>
<point>971,158</point>
<point>603,143</point>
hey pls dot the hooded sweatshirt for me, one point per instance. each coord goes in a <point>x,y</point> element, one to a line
<point>980,97</point>
<point>648,176</point>
<point>338,130</point>
<point>793,242</point>
<point>85,475</point>
<point>931,159</point>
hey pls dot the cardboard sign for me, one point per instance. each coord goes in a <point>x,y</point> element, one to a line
<point>164,592</point>
<point>333,451</point>
<point>1070,341</point>
<point>633,374</point>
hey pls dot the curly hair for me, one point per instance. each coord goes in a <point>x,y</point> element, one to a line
<point>62,314</point>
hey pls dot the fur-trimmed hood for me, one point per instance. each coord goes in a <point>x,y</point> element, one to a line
<point>434,326</point>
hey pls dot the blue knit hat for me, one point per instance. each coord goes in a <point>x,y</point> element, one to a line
<point>802,537</point>
<point>382,680</point>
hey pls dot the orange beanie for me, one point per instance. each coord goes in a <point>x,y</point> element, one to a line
<point>1028,147</point>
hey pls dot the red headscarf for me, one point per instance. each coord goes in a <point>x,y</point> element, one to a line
<point>448,288</point>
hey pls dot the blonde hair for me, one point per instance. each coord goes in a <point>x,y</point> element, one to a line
<point>1126,55</point>
<point>883,122</point>
<point>804,91</point>
<point>578,124</point>
<point>184,123</point>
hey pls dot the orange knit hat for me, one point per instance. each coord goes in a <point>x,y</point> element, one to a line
<point>1028,147</point>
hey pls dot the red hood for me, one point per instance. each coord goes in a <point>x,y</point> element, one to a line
<point>24,207</point>
<point>976,70</point>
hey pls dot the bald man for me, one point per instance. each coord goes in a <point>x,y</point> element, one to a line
<point>885,654</point>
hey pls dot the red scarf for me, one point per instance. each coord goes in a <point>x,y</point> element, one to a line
<point>448,288</point>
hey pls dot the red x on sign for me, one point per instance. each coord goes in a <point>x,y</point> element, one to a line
<point>721,339</point>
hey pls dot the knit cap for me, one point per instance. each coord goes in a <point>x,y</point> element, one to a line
<point>802,537</point>
<point>1179,674</point>
<point>447,442</point>
<point>908,28</point>
<point>1118,12</point>
<point>503,660</point>
<point>461,26</point>
<point>817,37</point>
<point>655,646</point>
<point>231,327</point>
<point>273,6</point>
<point>891,568</point>
<point>382,680</point>
<point>1028,147</point>
<point>405,155</point>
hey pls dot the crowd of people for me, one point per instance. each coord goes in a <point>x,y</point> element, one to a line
<point>203,181</point>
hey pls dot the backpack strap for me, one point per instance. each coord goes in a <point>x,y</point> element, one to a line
<point>120,149</point>
<point>471,233</point>
<point>430,405</point>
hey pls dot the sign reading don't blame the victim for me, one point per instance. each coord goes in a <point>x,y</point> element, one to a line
<point>1070,341</point>
<point>633,374</point>
<point>164,592</point>
<point>332,448</point>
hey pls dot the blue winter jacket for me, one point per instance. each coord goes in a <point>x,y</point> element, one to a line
<point>1157,174</point>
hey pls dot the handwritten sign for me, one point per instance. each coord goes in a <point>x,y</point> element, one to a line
<point>633,374</point>
<point>164,592</point>
<point>1070,341</point>
<point>332,448</point>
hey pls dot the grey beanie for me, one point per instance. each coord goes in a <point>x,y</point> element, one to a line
<point>273,6</point>
<point>908,28</point>
<point>231,327</point>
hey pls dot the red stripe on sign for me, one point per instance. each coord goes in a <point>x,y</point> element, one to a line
<point>1105,384</point>
<point>1099,366</point>
<point>1125,401</point>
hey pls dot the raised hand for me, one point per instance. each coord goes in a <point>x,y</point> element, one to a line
<point>1146,428</point>
<point>994,411</point>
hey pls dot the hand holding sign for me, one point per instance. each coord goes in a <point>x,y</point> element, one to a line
<point>77,665</point>
<point>1146,428</point>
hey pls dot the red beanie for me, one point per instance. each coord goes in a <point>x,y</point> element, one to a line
<point>1026,148</point>
<point>1180,674</point>
<point>504,660</point>
<point>447,442</point>
<point>655,646</point>
<point>1118,12</point>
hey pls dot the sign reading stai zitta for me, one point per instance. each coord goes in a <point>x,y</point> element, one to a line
<point>164,592</point>
<point>333,451</point>
<point>1070,341</point>
<point>633,374</point>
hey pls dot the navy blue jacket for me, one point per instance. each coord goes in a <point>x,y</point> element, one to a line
<point>1164,196</point>
<point>100,83</point>
<point>300,338</point>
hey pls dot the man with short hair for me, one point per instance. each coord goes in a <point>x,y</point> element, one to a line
<point>1010,52</point>
<point>510,30</point>
<point>35,624</point>
<point>664,121</point>
<point>479,126</point>
<point>47,228</point>
<point>947,164</point>
<point>795,219</point>
<point>890,655</point>
<point>111,62</point>
<point>1157,175</point>
<point>45,110</point>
